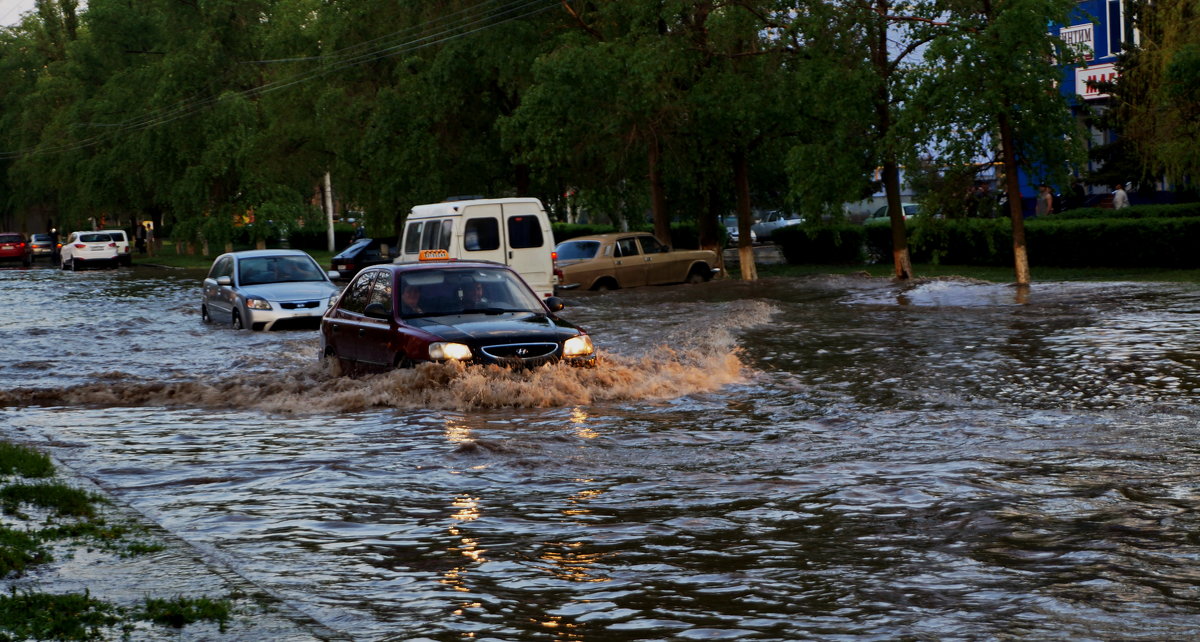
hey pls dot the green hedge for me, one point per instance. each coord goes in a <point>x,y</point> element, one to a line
<point>1166,242</point>
<point>1181,210</point>
<point>821,244</point>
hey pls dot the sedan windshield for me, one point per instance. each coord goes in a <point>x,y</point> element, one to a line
<point>576,250</point>
<point>427,293</point>
<point>277,269</point>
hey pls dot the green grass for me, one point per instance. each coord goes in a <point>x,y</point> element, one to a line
<point>180,612</point>
<point>986,273</point>
<point>74,616</point>
<point>61,498</point>
<point>16,459</point>
<point>45,616</point>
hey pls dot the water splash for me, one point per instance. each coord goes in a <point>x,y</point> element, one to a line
<point>695,358</point>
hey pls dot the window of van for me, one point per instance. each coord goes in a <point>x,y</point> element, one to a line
<point>481,234</point>
<point>524,231</point>
<point>412,238</point>
<point>436,235</point>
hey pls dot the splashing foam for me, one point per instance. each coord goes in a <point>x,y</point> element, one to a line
<point>704,358</point>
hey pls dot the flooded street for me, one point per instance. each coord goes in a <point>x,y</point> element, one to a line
<point>793,459</point>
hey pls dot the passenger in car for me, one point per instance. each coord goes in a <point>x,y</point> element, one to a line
<point>410,300</point>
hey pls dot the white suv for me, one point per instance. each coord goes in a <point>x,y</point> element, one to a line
<point>124,251</point>
<point>82,248</point>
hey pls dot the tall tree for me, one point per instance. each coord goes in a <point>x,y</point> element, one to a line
<point>997,82</point>
<point>1158,94</point>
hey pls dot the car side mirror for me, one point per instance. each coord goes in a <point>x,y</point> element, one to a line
<point>333,274</point>
<point>376,310</point>
<point>555,304</point>
<point>224,280</point>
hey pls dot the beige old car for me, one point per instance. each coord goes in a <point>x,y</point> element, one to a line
<point>626,260</point>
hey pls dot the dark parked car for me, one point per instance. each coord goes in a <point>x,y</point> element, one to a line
<point>42,246</point>
<point>14,248</point>
<point>398,315</point>
<point>361,253</point>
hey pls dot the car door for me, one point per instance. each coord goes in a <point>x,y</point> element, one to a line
<point>629,266</point>
<point>219,299</point>
<point>348,323</point>
<point>661,265</point>
<point>376,345</point>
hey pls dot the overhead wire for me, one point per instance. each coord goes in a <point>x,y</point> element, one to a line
<point>451,27</point>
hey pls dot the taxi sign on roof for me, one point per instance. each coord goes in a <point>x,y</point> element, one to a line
<point>434,255</point>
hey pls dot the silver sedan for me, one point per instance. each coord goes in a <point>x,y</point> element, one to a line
<point>266,290</point>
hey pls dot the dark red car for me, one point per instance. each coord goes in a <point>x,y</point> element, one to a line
<point>398,315</point>
<point>14,248</point>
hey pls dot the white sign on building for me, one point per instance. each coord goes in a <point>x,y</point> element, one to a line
<point>1085,77</point>
<point>1080,39</point>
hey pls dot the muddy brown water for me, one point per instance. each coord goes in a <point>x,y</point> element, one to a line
<point>813,458</point>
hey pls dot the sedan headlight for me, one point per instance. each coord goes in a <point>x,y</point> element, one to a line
<point>442,350</point>
<point>255,303</point>
<point>578,346</point>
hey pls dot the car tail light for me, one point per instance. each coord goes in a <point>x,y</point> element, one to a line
<point>112,244</point>
<point>554,256</point>
<point>80,245</point>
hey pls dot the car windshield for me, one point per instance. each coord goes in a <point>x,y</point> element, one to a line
<point>277,269</point>
<point>95,238</point>
<point>451,291</point>
<point>910,210</point>
<point>574,250</point>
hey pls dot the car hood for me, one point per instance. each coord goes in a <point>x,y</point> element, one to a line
<point>482,329</point>
<point>290,291</point>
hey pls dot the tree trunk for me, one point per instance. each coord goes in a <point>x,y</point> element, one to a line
<point>891,184</point>
<point>658,198</point>
<point>1013,189</point>
<point>741,181</point>
<point>891,171</point>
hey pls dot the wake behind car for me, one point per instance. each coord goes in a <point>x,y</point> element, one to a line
<point>82,249</point>
<point>14,248</point>
<point>629,259</point>
<point>266,290</point>
<point>398,315</point>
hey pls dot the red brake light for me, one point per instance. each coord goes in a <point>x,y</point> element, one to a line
<point>112,244</point>
<point>554,256</point>
<point>80,245</point>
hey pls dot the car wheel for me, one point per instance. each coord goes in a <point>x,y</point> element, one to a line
<point>403,362</point>
<point>236,321</point>
<point>62,265</point>
<point>74,265</point>
<point>333,363</point>
<point>204,316</point>
<point>604,285</point>
<point>696,276</point>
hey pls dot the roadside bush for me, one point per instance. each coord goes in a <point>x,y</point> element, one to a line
<point>1180,210</point>
<point>1115,242</point>
<point>1168,242</point>
<point>823,244</point>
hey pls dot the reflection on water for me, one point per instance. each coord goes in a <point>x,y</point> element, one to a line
<point>788,459</point>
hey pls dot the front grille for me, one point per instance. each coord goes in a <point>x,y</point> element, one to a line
<point>299,305</point>
<point>521,354</point>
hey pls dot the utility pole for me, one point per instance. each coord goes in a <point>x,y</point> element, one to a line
<point>329,208</point>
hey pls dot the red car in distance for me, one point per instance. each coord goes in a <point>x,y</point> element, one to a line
<point>14,248</point>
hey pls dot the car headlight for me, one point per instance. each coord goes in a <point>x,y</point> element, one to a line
<point>442,350</point>
<point>578,346</point>
<point>255,303</point>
